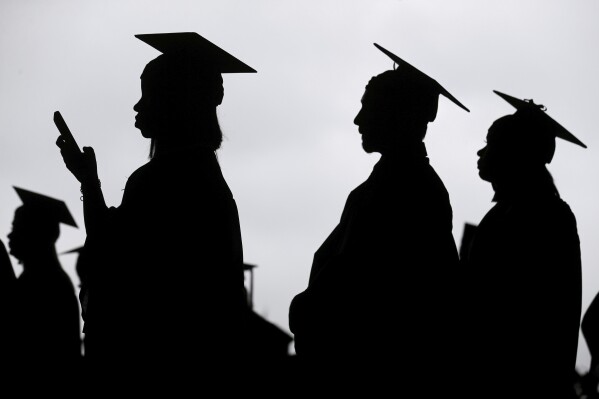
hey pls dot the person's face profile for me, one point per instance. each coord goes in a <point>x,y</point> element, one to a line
<point>485,162</point>
<point>375,122</point>
<point>17,237</point>
<point>501,155</point>
<point>156,109</point>
<point>147,109</point>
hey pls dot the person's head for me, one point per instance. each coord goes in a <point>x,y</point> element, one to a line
<point>519,145</point>
<point>32,231</point>
<point>179,99</point>
<point>515,145</point>
<point>181,89</point>
<point>396,110</point>
<point>397,107</point>
<point>35,226</point>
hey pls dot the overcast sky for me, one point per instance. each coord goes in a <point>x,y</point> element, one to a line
<point>291,153</point>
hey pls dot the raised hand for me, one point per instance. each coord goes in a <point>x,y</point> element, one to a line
<point>81,164</point>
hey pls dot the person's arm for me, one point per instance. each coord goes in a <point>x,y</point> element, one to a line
<point>94,205</point>
<point>85,169</point>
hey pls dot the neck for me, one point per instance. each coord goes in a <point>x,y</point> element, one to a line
<point>525,184</point>
<point>44,258</point>
<point>164,148</point>
<point>405,150</point>
<point>184,136</point>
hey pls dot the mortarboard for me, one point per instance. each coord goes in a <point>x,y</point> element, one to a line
<point>191,42</point>
<point>538,111</point>
<point>247,266</point>
<point>77,250</point>
<point>51,208</point>
<point>404,67</point>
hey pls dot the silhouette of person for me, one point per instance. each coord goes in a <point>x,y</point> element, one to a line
<point>44,316</point>
<point>524,264</point>
<point>165,268</point>
<point>373,313</point>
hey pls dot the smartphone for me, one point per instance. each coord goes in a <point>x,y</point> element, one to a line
<point>65,132</point>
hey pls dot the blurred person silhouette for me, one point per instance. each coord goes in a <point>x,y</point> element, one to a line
<point>165,268</point>
<point>44,316</point>
<point>375,312</point>
<point>524,265</point>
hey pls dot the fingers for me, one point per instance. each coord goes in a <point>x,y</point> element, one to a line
<point>90,153</point>
<point>60,142</point>
<point>89,150</point>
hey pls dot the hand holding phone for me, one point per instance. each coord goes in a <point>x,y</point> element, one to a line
<point>82,164</point>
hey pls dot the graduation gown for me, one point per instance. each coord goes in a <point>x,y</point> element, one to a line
<point>165,278</point>
<point>45,324</point>
<point>525,296</point>
<point>378,294</point>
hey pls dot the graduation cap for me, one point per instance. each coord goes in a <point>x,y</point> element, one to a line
<point>405,68</point>
<point>537,113</point>
<point>248,267</point>
<point>50,208</point>
<point>194,44</point>
<point>77,250</point>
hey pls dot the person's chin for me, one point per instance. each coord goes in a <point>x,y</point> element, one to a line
<point>370,147</point>
<point>367,148</point>
<point>483,175</point>
<point>14,253</point>
<point>144,132</point>
<point>138,124</point>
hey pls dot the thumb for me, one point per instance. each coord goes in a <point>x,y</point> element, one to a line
<point>89,153</point>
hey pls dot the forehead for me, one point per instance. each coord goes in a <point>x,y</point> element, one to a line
<point>380,92</point>
<point>397,86</point>
<point>25,217</point>
<point>179,68</point>
<point>517,134</point>
<point>504,136</point>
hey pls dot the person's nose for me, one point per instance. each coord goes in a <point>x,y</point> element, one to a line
<point>482,151</point>
<point>358,118</point>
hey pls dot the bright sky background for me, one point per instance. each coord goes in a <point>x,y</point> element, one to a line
<point>291,153</point>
